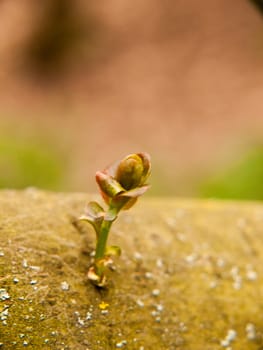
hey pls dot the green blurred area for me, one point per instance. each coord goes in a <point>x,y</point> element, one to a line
<point>31,161</point>
<point>37,161</point>
<point>241,179</point>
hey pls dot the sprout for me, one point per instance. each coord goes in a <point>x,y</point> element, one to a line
<point>120,186</point>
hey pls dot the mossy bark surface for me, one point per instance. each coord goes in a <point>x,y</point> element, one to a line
<point>190,275</point>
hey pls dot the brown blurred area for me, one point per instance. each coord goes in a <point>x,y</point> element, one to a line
<point>180,80</point>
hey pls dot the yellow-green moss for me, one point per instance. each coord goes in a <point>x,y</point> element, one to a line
<point>190,271</point>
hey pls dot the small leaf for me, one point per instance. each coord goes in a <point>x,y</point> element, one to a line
<point>146,160</point>
<point>129,203</point>
<point>94,215</point>
<point>95,278</point>
<point>94,209</point>
<point>136,192</point>
<point>123,202</point>
<point>93,212</point>
<point>127,199</point>
<point>92,276</point>
<point>108,185</point>
<point>113,250</point>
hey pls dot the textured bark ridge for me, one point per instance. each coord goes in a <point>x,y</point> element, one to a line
<point>190,276</point>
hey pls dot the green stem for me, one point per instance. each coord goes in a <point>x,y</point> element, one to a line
<point>104,232</point>
<point>102,241</point>
<point>114,208</point>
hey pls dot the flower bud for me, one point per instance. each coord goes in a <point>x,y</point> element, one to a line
<point>133,170</point>
<point>124,181</point>
<point>129,172</point>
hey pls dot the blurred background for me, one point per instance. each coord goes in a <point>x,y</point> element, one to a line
<point>83,83</point>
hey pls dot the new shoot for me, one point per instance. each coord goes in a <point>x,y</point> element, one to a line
<point>120,186</point>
